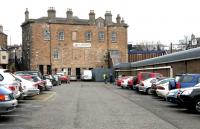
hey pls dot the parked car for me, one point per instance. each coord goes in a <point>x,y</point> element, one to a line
<point>57,78</point>
<point>132,82</point>
<point>183,81</point>
<point>190,97</point>
<point>40,82</point>
<point>8,102</point>
<point>29,88</point>
<point>124,82</point>
<point>145,86</point>
<point>118,81</point>
<point>37,73</point>
<point>9,81</point>
<point>172,96</point>
<point>141,76</point>
<point>53,80</point>
<point>154,85</point>
<point>63,77</point>
<point>49,84</point>
<point>162,87</point>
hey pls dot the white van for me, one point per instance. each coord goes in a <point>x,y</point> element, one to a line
<point>87,75</point>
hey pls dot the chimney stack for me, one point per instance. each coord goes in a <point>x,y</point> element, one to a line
<point>51,13</point>
<point>108,18</point>
<point>69,14</point>
<point>26,14</point>
<point>92,17</point>
<point>1,28</point>
<point>118,19</point>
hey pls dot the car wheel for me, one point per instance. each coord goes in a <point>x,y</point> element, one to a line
<point>197,106</point>
<point>149,91</point>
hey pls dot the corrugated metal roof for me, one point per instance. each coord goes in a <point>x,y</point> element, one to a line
<point>174,57</point>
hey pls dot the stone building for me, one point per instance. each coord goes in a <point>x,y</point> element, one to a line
<point>3,38</point>
<point>51,44</point>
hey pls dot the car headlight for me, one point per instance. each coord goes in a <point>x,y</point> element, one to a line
<point>187,92</point>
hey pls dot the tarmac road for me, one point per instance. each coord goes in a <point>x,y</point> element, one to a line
<point>95,105</point>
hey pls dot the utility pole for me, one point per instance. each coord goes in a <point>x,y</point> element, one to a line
<point>171,47</point>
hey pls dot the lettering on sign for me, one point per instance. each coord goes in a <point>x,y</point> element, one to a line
<point>81,44</point>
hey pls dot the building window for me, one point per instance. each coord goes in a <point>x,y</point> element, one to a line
<point>88,36</point>
<point>114,37</point>
<point>101,36</point>
<point>61,35</point>
<point>69,71</point>
<point>46,35</point>
<point>74,36</point>
<point>3,57</point>
<point>56,54</point>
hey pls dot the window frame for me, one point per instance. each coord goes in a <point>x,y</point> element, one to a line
<point>56,54</point>
<point>100,36</point>
<point>74,34</point>
<point>61,35</point>
<point>88,36</point>
<point>46,33</point>
<point>114,37</point>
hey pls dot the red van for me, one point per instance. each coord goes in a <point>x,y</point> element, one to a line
<point>141,76</point>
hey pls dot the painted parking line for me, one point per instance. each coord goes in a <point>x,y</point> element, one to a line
<point>49,97</point>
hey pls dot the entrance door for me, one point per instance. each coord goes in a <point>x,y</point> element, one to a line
<point>78,73</point>
<point>48,69</point>
<point>41,68</point>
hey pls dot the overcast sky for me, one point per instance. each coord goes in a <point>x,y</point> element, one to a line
<point>151,20</point>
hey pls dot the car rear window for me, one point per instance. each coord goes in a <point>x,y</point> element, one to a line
<point>186,78</point>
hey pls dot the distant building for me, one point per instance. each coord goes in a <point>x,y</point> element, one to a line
<point>3,38</point>
<point>194,42</point>
<point>53,44</point>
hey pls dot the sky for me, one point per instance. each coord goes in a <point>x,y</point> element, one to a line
<point>149,20</point>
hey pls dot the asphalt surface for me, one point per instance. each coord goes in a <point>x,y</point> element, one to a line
<point>92,105</point>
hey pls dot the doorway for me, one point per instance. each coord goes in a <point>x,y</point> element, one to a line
<point>78,73</point>
<point>41,68</point>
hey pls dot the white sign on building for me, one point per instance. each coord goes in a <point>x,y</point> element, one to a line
<point>83,45</point>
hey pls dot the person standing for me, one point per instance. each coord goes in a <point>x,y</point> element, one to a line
<point>105,77</point>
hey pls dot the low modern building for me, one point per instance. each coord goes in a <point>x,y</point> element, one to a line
<point>72,44</point>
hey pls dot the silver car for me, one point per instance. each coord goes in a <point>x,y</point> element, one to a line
<point>7,101</point>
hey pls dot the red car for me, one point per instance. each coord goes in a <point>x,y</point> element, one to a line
<point>119,81</point>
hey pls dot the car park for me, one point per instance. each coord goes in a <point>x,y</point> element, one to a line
<point>7,101</point>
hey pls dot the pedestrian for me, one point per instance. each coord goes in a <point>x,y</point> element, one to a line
<point>111,78</point>
<point>105,78</point>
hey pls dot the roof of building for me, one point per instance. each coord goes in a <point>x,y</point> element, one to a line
<point>59,20</point>
<point>147,52</point>
<point>174,57</point>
